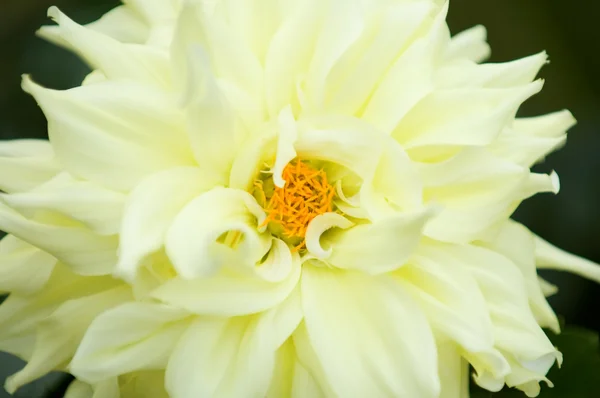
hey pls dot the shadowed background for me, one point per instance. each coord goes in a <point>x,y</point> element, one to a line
<point>516,28</point>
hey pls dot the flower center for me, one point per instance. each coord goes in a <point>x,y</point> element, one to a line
<point>305,195</point>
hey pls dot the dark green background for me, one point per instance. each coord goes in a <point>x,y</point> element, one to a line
<point>567,30</point>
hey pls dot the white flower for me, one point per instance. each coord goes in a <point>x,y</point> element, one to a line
<point>297,198</point>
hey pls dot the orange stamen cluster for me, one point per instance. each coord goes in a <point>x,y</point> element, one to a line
<point>305,195</point>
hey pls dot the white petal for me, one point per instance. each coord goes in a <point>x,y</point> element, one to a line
<point>199,26</point>
<point>97,207</point>
<point>470,44</point>
<point>117,60</point>
<point>552,125</point>
<point>113,133</point>
<point>231,357</point>
<point>471,117</point>
<point>79,389</point>
<point>154,12</point>
<point>279,263</point>
<point>342,25</point>
<point>409,80</point>
<point>85,252</point>
<point>380,247</point>
<point>151,208</point>
<point>21,315</point>
<point>130,337</point>
<point>491,75</point>
<point>516,331</point>
<point>228,293</point>
<point>191,241</point>
<point>548,256</point>
<point>285,144</point>
<point>283,67</point>
<point>369,64</point>
<point>25,164</point>
<point>24,269</point>
<point>120,23</point>
<point>454,372</point>
<point>59,335</point>
<point>517,243</point>
<point>453,304</point>
<point>367,334</point>
<point>318,226</point>
<point>213,128</point>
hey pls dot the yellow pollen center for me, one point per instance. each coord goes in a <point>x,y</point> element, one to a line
<point>305,195</point>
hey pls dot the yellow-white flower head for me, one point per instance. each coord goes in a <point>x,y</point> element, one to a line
<point>280,198</point>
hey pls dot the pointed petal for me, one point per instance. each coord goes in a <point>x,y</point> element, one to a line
<point>132,336</point>
<point>472,117</point>
<point>97,207</point>
<point>548,256</point>
<point>470,44</point>
<point>192,240</point>
<point>85,252</point>
<point>24,269</point>
<point>25,164</point>
<point>364,331</point>
<point>227,294</point>
<point>231,357</point>
<point>151,208</point>
<point>98,135</point>
<point>516,242</point>
<point>116,60</point>
<point>59,335</point>
<point>380,247</point>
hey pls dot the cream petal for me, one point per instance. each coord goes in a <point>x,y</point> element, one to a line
<point>470,44</point>
<point>318,226</point>
<point>516,242</point>
<point>132,336</point>
<point>548,256</point>
<point>409,80</point>
<point>466,116</point>
<point>120,23</point>
<point>24,269</point>
<point>80,389</point>
<point>21,315</point>
<point>454,372</point>
<point>491,75</point>
<point>107,389</point>
<point>98,135</point>
<point>25,164</point>
<point>226,50</point>
<point>228,293</point>
<point>516,332</point>
<point>59,334</point>
<point>366,332</point>
<point>97,207</point>
<point>85,252</point>
<point>280,262</point>
<point>394,186</point>
<point>283,67</point>
<point>191,241</point>
<point>154,12</point>
<point>288,135</point>
<point>523,149</point>
<point>231,357</point>
<point>380,247</point>
<point>360,72</point>
<point>151,208</point>
<point>552,125</point>
<point>117,60</point>
<point>342,26</point>
<point>453,304</point>
<point>213,128</point>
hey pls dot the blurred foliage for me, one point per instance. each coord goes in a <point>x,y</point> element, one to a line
<point>579,375</point>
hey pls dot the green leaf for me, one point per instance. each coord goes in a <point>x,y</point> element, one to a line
<point>579,377</point>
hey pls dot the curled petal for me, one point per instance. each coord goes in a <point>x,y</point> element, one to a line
<point>193,240</point>
<point>318,226</point>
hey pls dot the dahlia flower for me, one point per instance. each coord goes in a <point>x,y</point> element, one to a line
<point>273,198</point>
